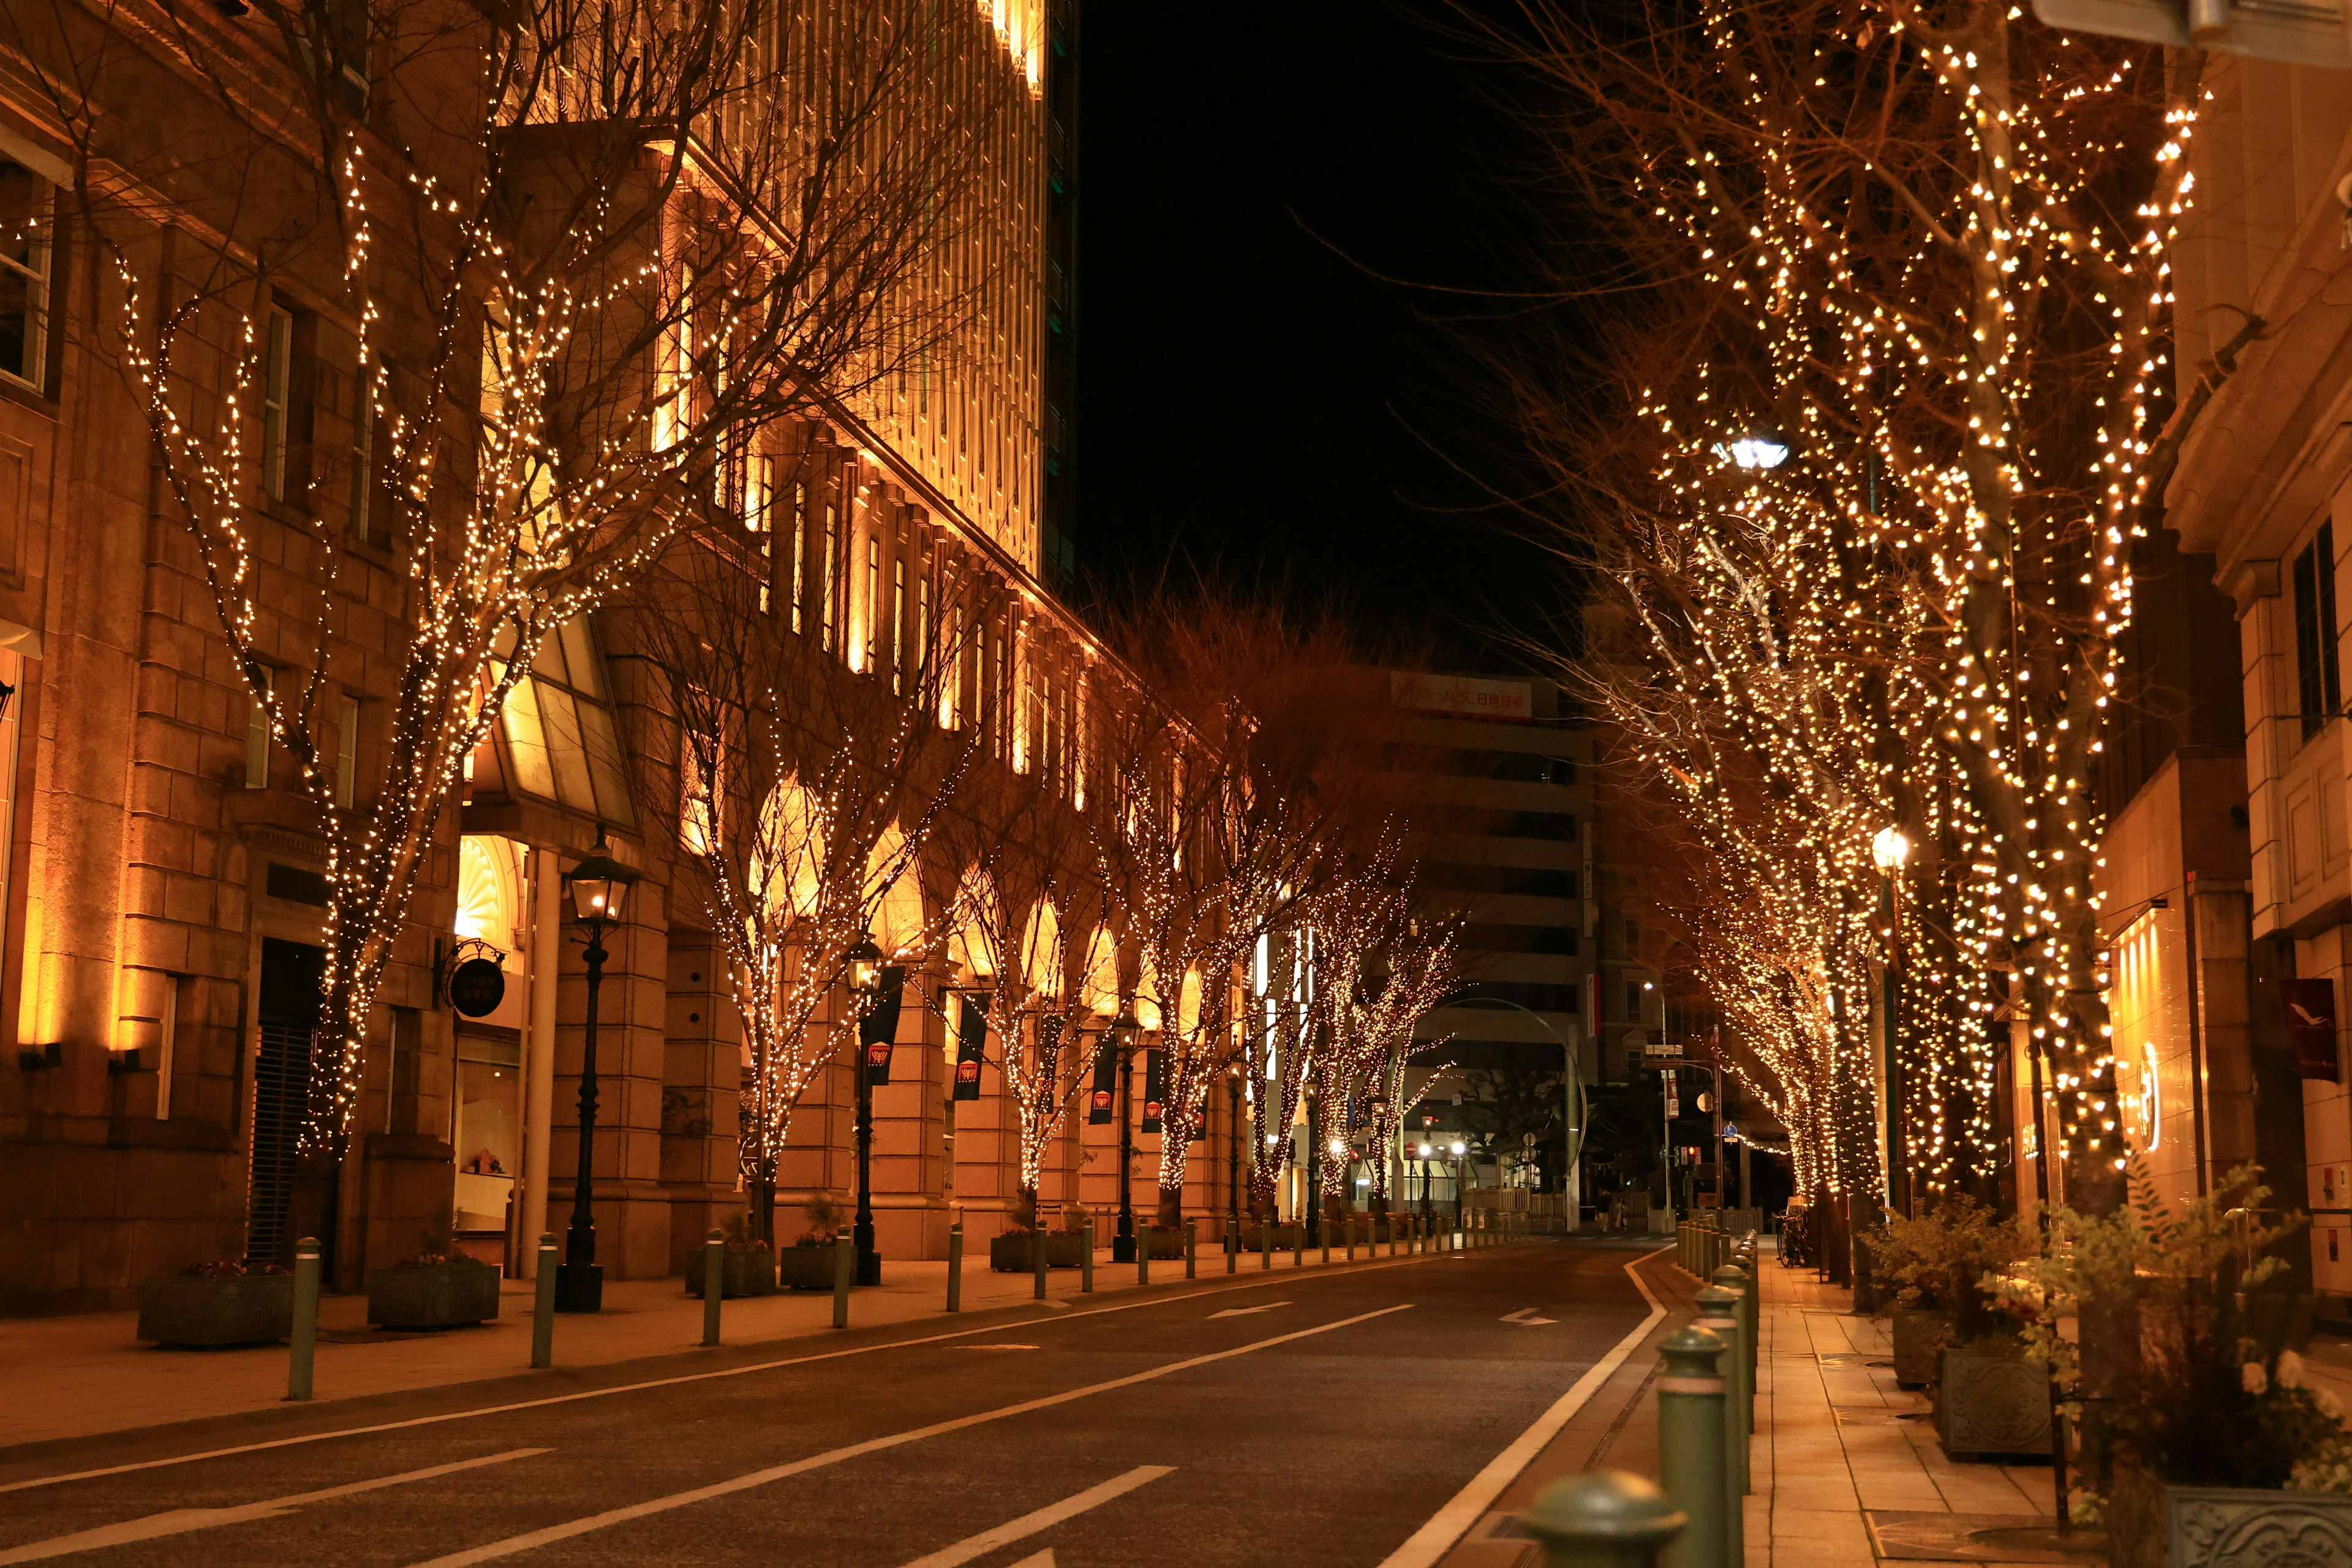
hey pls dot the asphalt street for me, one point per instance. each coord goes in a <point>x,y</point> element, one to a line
<point>1316,1418</point>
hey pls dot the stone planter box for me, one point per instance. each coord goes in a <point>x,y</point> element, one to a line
<point>750,1271</point>
<point>1919,1337</point>
<point>1011,1254</point>
<point>1991,1400</point>
<point>1162,1246</point>
<point>1285,1237</point>
<point>805,1268</point>
<point>229,1310</point>
<point>2151,1525</point>
<point>431,1295</point>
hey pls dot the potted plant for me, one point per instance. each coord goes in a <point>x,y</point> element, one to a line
<point>808,1263</point>
<point>1936,1262</point>
<point>1163,1242</point>
<point>2209,1448</point>
<point>223,1302</point>
<point>437,1288</point>
<point>750,1265</point>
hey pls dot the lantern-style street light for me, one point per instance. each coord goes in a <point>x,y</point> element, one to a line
<point>1123,1032</point>
<point>1232,1164</point>
<point>1889,850</point>
<point>864,980</point>
<point>600,889</point>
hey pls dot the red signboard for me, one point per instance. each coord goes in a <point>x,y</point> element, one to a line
<point>2311,1027</point>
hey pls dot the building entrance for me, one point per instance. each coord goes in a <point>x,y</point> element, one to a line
<point>291,973</point>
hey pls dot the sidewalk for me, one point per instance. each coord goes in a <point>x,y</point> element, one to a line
<point>1845,1469</point>
<point>84,1376</point>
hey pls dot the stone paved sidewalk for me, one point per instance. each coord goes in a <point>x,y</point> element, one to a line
<point>87,1374</point>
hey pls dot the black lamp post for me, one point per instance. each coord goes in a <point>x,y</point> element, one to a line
<point>1123,1030</point>
<point>1314,1215</point>
<point>865,978</point>
<point>1234,1134</point>
<point>600,886</point>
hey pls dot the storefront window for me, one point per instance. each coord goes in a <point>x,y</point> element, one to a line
<point>489,1129</point>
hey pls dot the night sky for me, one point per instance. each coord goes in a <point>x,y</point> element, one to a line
<point>1253,401</point>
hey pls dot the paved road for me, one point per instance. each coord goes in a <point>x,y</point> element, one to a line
<point>1295,1420</point>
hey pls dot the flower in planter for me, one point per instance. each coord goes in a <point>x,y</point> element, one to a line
<point>825,1214</point>
<point>229,1268</point>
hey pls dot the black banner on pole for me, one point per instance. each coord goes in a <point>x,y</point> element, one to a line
<point>1104,1099</point>
<point>879,1030</point>
<point>971,1041</point>
<point>1154,1088</point>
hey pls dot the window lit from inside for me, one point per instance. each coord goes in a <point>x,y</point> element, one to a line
<point>25,206</point>
<point>560,742</point>
<point>2318,689</point>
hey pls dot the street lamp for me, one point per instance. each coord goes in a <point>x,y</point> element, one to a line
<point>864,980</point>
<point>1123,1031</point>
<point>1233,1161</point>
<point>1757,447</point>
<point>1888,850</point>
<point>600,888</point>
<point>1460,1149</point>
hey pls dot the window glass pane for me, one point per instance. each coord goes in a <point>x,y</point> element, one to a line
<point>19,341</point>
<point>548,662</point>
<point>564,748</point>
<point>580,653</point>
<point>606,763</point>
<point>527,741</point>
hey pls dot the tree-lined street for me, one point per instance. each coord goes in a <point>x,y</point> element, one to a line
<point>1321,1418</point>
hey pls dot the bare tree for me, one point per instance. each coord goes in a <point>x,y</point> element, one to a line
<point>483,304</point>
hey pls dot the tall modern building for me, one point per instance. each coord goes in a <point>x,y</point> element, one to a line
<point>162,884</point>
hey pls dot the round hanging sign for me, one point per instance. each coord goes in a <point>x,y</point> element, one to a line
<point>476,987</point>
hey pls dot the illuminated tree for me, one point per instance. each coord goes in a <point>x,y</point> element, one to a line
<point>470,313</point>
<point>803,794</point>
<point>1922,251</point>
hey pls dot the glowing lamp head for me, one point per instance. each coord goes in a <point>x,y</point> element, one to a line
<point>1338,1150</point>
<point>1757,448</point>
<point>1889,850</point>
<point>1124,1028</point>
<point>866,967</point>
<point>1461,1149</point>
<point>1426,1151</point>
<point>600,884</point>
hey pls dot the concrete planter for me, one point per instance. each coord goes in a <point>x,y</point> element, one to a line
<point>1163,1245</point>
<point>2151,1525</point>
<point>805,1268</point>
<point>1920,1335</point>
<point>1285,1237</point>
<point>1991,1400</point>
<point>750,1271</point>
<point>229,1310</point>
<point>433,1295</point>
<point>1011,1253</point>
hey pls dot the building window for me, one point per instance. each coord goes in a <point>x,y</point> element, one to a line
<point>1633,1000</point>
<point>558,729</point>
<point>2318,692</point>
<point>362,458</point>
<point>276,389</point>
<point>832,570</point>
<point>256,738</point>
<point>898,627</point>
<point>25,202</point>
<point>347,753</point>
<point>800,554</point>
<point>873,599</point>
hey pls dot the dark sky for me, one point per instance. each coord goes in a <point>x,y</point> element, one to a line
<point>1251,399</point>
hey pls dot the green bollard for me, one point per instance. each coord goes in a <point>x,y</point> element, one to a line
<point>303,1352</point>
<point>542,1307</point>
<point>1087,1258</point>
<point>1690,1445</point>
<point>1351,1241</point>
<point>1734,1278</point>
<point>714,1283</point>
<point>1233,1239</point>
<point>1298,1246</point>
<point>1602,1519</point>
<point>1192,1248</point>
<point>844,1270</point>
<point>1719,1314</point>
<point>1037,1255</point>
<point>1392,1236</point>
<point>1265,1243</point>
<point>955,1267</point>
<point>1142,1258</point>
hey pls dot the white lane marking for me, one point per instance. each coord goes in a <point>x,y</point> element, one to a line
<point>1246,1311</point>
<point>1043,1560</point>
<point>180,1520</point>
<point>611,1517</point>
<point>1433,1541</point>
<point>996,1347</point>
<point>1526,1318</point>
<point>1045,1518</point>
<point>507,1409</point>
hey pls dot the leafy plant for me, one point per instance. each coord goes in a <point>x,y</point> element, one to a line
<point>229,1268</point>
<point>1023,1219</point>
<point>824,1214</point>
<point>1939,1259</point>
<point>740,1238</point>
<point>2205,1402</point>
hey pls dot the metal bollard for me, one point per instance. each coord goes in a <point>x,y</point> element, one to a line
<point>1351,1241</point>
<point>1298,1245</point>
<point>1143,1257</point>
<point>1602,1519</point>
<point>1734,1276</point>
<point>1719,1314</point>
<point>1392,1236</point>
<point>303,1352</point>
<point>1324,1236</point>
<point>714,1283</point>
<point>844,1270</point>
<point>1087,1258</point>
<point>1037,1255</point>
<point>1690,1445</point>
<point>542,1307</point>
<point>1265,1243</point>
<point>955,1267</point>
<point>1232,1248</point>
<point>1192,1248</point>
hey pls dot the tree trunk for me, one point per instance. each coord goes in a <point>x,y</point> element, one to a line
<point>1172,1207</point>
